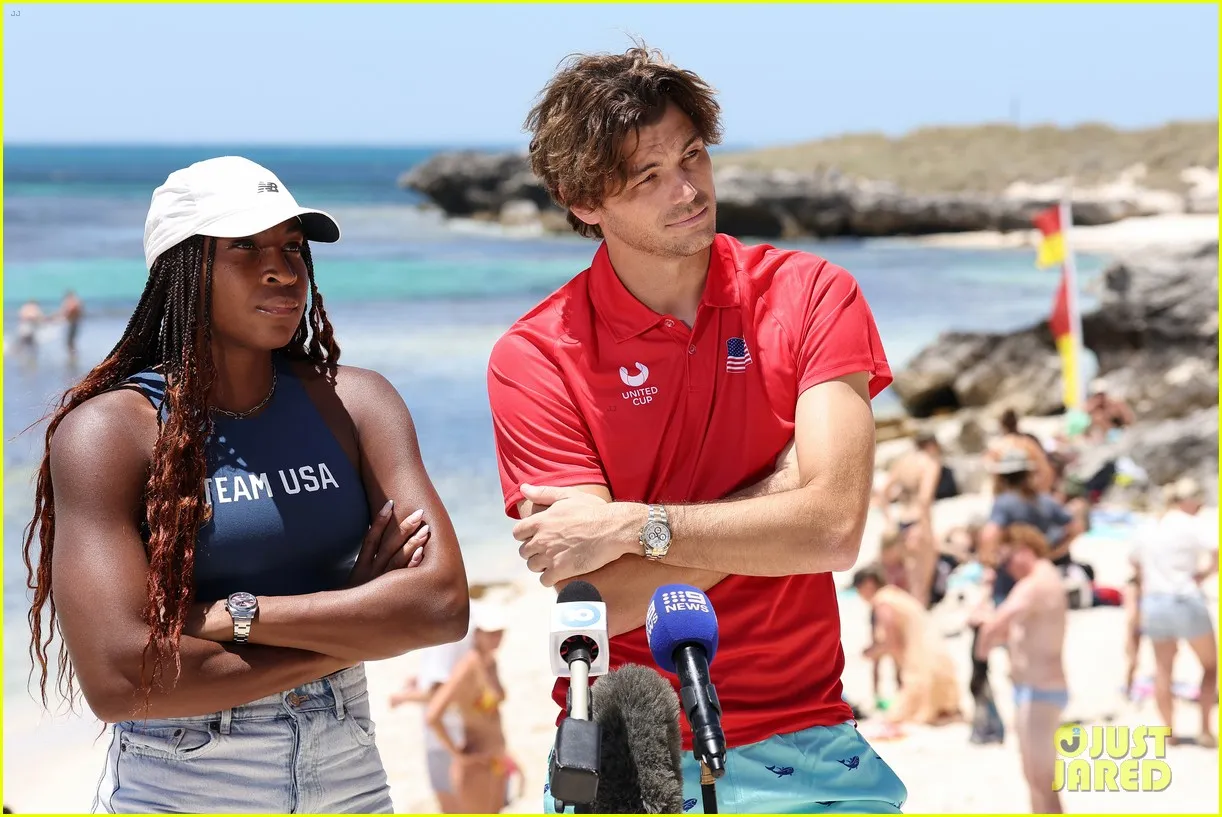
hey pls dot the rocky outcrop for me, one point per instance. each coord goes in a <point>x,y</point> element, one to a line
<point>782,203</point>
<point>1155,334</point>
<point>1166,449</point>
<point>762,204</point>
<point>471,183</point>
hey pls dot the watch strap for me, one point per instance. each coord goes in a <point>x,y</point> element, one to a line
<point>657,513</point>
<point>657,516</point>
<point>241,628</point>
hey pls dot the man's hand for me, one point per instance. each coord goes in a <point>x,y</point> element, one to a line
<point>576,533</point>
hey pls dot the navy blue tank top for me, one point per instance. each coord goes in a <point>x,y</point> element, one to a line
<point>289,510</point>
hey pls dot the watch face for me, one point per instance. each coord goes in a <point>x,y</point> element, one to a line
<point>242,602</point>
<point>657,535</point>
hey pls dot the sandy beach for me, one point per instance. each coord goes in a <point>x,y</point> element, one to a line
<point>1145,232</point>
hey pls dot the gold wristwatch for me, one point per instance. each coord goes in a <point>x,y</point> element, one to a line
<point>655,536</point>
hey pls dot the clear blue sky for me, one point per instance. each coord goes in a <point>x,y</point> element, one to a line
<point>434,75</point>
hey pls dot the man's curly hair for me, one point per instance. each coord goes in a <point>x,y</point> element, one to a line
<point>587,112</point>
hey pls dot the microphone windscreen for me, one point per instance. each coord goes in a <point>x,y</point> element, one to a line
<point>578,591</point>
<point>642,769</point>
<point>679,614</point>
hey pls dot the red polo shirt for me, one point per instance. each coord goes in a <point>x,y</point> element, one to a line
<point>593,387</point>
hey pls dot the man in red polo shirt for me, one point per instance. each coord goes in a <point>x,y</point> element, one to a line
<point>714,393</point>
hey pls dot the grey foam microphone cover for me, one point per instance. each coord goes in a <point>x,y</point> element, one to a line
<point>641,770</point>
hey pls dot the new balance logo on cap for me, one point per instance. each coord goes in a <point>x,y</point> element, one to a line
<point>269,187</point>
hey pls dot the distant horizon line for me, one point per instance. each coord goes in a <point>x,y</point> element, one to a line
<point>464,144</point>
<point>310,145</point>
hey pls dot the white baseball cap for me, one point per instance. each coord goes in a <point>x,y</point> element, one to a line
<point>225,197</point>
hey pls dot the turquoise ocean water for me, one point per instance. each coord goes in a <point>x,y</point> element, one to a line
<point>418,299</point>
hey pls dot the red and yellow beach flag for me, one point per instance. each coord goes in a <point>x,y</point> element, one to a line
<point>1065,321</point>
<point>1051,251</point>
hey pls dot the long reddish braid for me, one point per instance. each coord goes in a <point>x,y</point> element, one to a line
<point>170,328</point>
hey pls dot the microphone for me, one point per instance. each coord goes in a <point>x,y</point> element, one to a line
<point>642,751</point>
<point>579,649</point>
<point>682,631</point>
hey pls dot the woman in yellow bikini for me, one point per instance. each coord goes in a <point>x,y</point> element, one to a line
<point>481,765</point>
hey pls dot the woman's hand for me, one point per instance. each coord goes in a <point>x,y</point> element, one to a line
<point>389,547</point>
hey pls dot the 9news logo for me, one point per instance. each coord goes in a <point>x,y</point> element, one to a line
<point>674,601</point>
<point>651,618</point>
<point>580,615</point>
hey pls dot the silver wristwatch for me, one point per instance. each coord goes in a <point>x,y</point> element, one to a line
<point>242,608</point>
<point>655,536</point>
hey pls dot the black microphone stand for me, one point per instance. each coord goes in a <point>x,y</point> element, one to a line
<point>577,753</point>
<point>708,790</point>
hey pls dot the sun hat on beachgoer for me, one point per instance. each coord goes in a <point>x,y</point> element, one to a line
<point>225,197</point>
<point>1185,489</point>
<point>488,616</point>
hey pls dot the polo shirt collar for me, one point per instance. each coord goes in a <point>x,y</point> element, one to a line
<point>627,317</point>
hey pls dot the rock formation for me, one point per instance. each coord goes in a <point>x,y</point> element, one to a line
<point>1155,334</point>
<point>759,203</point>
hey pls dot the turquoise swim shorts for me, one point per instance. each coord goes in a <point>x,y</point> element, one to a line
<point>820,770</point>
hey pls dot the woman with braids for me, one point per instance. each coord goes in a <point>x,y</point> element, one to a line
<point>229,523</point>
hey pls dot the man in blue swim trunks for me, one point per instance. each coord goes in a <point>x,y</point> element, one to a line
<point>1031,621</point>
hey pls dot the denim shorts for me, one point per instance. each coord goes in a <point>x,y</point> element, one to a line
<point>307,750</point>
<point>1164,616</point>
<point>819,770</point>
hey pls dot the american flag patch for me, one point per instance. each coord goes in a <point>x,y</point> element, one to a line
<point>738,357</point>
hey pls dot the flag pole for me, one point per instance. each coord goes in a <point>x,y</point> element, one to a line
<point>1071,285</point>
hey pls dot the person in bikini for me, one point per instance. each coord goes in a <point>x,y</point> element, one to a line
<point>481,766</point>
<point>436,666</point>
<point>912,484</point>
<point>1032,622</point>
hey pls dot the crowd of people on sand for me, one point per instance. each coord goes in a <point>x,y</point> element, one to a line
<point>1019,562</point>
